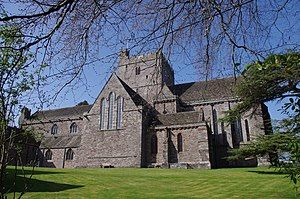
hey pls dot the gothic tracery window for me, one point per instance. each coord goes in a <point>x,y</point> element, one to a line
<point>102,113</point>
<point>120,104</point>
<point>111,100</point>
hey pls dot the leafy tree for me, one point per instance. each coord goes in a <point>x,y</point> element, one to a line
<point>277,78</point>
<point>16,79</point>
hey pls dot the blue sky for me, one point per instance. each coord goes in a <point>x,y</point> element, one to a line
<point>96,74</point>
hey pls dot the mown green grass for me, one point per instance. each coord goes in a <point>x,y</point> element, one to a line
<point>157,183</point>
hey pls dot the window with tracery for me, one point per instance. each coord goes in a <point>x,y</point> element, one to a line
<point>120,106</point>
<point>102,114</point>
<point>111,100</point>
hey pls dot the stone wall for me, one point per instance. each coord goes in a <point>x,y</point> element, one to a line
<point>115,147</point>
<point>195,151</point>
<point>44,127</point>
<point>154,70</point>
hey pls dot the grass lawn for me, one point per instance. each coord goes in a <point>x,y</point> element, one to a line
<point>157,183</point>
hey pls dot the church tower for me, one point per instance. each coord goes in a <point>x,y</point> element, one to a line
<point>145,74</point>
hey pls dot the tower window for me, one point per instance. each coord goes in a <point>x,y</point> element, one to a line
<point>137,70</point>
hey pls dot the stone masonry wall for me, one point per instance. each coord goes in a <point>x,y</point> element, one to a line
<point>115,147</point>
<point>154,70</point>
<point>44,127</point>
<point>194,142</point>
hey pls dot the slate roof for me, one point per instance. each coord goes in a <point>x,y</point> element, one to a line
<point>180,118</point>
<point>165,93</point>
<point>210,90</point>
<point>62,112</point>
<point>56,142</point>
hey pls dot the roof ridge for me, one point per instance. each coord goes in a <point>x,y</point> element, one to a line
<point>183,112</point>
<point>70,107</point>
<point>211,80</point>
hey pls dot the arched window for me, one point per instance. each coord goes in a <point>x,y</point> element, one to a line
<point>153,144</point>
<point>73,128</point>
<point>247,130</point>
<point>111,100</point>
<point>137,70</point>
<point>48,155</point>
<point>240,130</point>
<point>102,114</point>
<point>70,154</point>
<point>179,143</point>
<point>120,104</point>
<point>54,129</point>
<point>237,133</point>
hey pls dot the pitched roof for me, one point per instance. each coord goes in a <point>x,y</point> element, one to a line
<point>61,141</point>
<point>137,99</point>
<point>165,93</point>
<point>180,118</point>
<point>206,90</point>
<point>62,112</point>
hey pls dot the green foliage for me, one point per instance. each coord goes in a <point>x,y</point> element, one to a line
<point>263,145</point>
<point>16,79</point>
<point>277,78</point>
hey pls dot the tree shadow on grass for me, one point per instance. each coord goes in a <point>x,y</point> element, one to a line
<point>27,171</point>
<point>35,185</point>
<point>269,172</point>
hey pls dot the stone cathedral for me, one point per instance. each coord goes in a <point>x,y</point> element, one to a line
<point>142,119</point>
